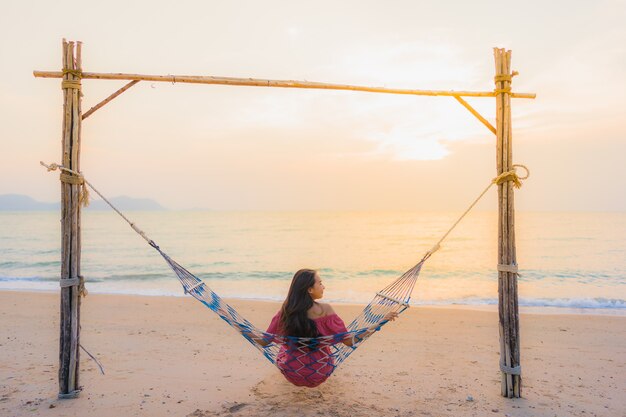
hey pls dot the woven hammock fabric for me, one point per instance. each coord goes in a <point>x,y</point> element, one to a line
<point>305,361</point>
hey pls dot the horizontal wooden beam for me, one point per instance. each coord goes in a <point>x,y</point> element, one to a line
<point>255,82</point>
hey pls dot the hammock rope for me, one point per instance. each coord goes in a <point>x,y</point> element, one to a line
<point>500,179</point>
<point>304,361</point>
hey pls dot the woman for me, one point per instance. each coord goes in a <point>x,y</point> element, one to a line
<point>302,316</point>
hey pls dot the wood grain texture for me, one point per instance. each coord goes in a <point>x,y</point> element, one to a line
<point>69,353</point>
<point>256,82</point>
<point>508,310</point>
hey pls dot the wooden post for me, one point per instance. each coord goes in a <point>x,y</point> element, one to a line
<point>507,262</point>
<point>70,224</point>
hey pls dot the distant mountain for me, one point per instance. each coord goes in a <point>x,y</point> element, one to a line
<point>126,203</point>
<point>18,202</point>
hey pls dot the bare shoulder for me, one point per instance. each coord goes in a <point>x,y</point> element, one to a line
<point>320,310</point>
<point>328,309</point>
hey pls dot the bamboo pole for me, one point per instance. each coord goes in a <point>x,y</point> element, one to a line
<point>65,320</point>
<point>255,82</point>
<point>108,99</point>
<point>69,354</point>
<point>77,291</point>
<point>507,281</point>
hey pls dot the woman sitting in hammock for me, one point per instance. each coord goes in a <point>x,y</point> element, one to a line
<point>308,364</point>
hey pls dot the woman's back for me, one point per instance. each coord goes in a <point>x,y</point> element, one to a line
<point>301,365</point>
<point>309,361</point>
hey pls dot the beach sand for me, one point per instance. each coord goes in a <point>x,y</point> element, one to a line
<point>172,356</point>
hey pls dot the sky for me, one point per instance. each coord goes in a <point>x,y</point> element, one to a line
<point>247,148</point>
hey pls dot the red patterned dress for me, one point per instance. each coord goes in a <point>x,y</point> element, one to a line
<point>306,367</point>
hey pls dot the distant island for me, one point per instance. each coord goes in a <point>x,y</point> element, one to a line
<point>19,202</point>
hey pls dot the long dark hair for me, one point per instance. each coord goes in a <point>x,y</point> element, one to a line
<point>293,318</point>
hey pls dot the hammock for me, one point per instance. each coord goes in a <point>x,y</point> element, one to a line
<point>303,361</point>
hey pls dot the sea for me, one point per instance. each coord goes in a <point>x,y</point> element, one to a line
<point>569,262</point>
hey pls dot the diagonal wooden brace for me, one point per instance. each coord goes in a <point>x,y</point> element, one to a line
<point>108,99</point>
<point>476,114</point>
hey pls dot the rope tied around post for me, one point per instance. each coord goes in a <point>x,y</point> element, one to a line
<point>512,176</point>
<point>500,179</point>
<point>504,78</point>
<point>508,268</point>
<point>54,166</point>
<point>71,177</point>
<point>79,282</point>
<point>510,370</point>
<point>72,84</point>
<point>75,73</point>
<point>506,90</point>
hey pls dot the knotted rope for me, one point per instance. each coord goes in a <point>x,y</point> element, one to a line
<point>53,166</point>
<point>517,183</point>
<point>74,178</point>
<point>504,78</point>
<point>75,84</point>
<point>512,176</point>
<point>71,177</point>
<point>511,370</point>
<point>76,73</point>
<point>75,282</point>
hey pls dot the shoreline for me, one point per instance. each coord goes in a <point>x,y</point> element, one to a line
<point>540,310</point>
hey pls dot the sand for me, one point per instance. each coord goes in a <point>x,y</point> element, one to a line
<point>172,356</point>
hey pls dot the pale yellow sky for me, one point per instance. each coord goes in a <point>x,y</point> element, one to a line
<point>251,148</point>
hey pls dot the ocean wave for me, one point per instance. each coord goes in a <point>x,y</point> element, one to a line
<point>599,302</point>
<point>329,274</point>
<point>385,272</point>
<point>30,264</point>
<point>584,303</point>
<point>570,276</point>
<point>148,276</point>
<point>254,275</point>
<point>28,279</point>
<point>128,277</point>
<point>206,276</point>
<point>100,286</point>
<point>197,265</point>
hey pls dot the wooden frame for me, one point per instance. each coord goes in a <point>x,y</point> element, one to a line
<point>71,281</point>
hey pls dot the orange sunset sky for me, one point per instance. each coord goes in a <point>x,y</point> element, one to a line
<point>246,148</point>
